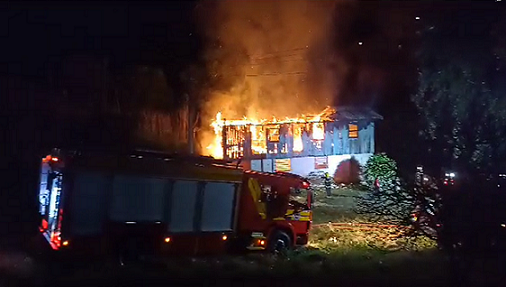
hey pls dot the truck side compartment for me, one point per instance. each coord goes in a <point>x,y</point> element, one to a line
<point>107,207</point>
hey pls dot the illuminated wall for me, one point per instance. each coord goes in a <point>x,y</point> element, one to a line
<point>277,141</point>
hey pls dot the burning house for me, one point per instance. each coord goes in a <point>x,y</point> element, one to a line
<point>298,145</point>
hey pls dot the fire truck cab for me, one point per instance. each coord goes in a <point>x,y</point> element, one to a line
<point>276,207</point>
<point>150,202</point>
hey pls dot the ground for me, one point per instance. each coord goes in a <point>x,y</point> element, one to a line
<point>346,252</point>
<point>340,207</point>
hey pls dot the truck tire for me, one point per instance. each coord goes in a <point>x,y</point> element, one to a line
<point>279,242</point>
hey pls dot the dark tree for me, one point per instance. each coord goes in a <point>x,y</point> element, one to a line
<point>459,95</point>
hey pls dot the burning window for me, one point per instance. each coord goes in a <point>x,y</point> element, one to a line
<point>297,137</point>
<point>273,134</point>
<point>258,144</point>
<point>234,141</point>
<point>352,131</point>
<point>273,137</point>
<point>318,131</point>
<point>267,136</point>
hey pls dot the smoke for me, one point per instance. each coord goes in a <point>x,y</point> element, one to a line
<point>282,58</point>
<point>261,57</point>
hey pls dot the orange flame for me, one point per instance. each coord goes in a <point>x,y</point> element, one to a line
<point>262,128</point>
<point>297,140</point>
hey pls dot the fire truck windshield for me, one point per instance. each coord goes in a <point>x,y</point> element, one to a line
<point>300,197</point>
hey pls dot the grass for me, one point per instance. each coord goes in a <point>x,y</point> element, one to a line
<point>340,207</point>
<point>340,266</point>
<point>354,267</point>
<point>330,239</point>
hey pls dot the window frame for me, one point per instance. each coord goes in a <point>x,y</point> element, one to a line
<point>353,131</point>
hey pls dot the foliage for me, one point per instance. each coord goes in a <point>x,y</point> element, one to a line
<point>462,115</point>
<point>144,87</point>
<point>161,118</point>
<point>391,204</point>
<point>396,200</point>
<point>348,172</point>
<point>164,131</point>
<point>459,97</point>
<point>383,168</point>
<point>414,206</point>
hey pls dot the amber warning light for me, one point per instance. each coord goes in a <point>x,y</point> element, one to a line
<point>167,239</point>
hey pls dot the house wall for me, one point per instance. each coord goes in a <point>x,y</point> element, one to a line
<point>336,143</point>
<point>304,165</point>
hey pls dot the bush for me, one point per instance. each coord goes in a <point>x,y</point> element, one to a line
<point>394,201</point>
<point>348,172</point>
<point>383,168</point>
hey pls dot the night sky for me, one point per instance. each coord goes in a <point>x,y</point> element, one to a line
<point>376,41</point>
<point>164,33</point>
<point>158,33</point>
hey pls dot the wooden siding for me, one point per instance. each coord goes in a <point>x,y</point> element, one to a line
<point>335,142</point>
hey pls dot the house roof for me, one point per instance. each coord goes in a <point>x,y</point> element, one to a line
<point>353,114</point>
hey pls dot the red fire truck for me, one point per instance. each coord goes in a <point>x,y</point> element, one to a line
<point>107,203</point>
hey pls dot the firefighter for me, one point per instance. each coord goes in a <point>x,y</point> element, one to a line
<point>376,187</point>
<point>328,184</point>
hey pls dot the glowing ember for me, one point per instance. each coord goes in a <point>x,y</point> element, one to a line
<point>264,129</point>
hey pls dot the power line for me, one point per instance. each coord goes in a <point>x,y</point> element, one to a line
<point>280,61</point>
<point>279,56</point>
<point>246,64</point>
<point>301,73</point>
<point>277,53</point>
<point>262,58</point>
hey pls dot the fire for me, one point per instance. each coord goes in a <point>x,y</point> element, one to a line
<point>258,140</point>
<point>216,149</point>
<point>263,129</point>
<point>318,132</point>
<point>297,139</point>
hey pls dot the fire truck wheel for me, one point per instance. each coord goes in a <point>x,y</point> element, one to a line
<point>279,242</point>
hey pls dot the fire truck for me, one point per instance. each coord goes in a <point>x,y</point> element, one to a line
<point>148,202</point>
